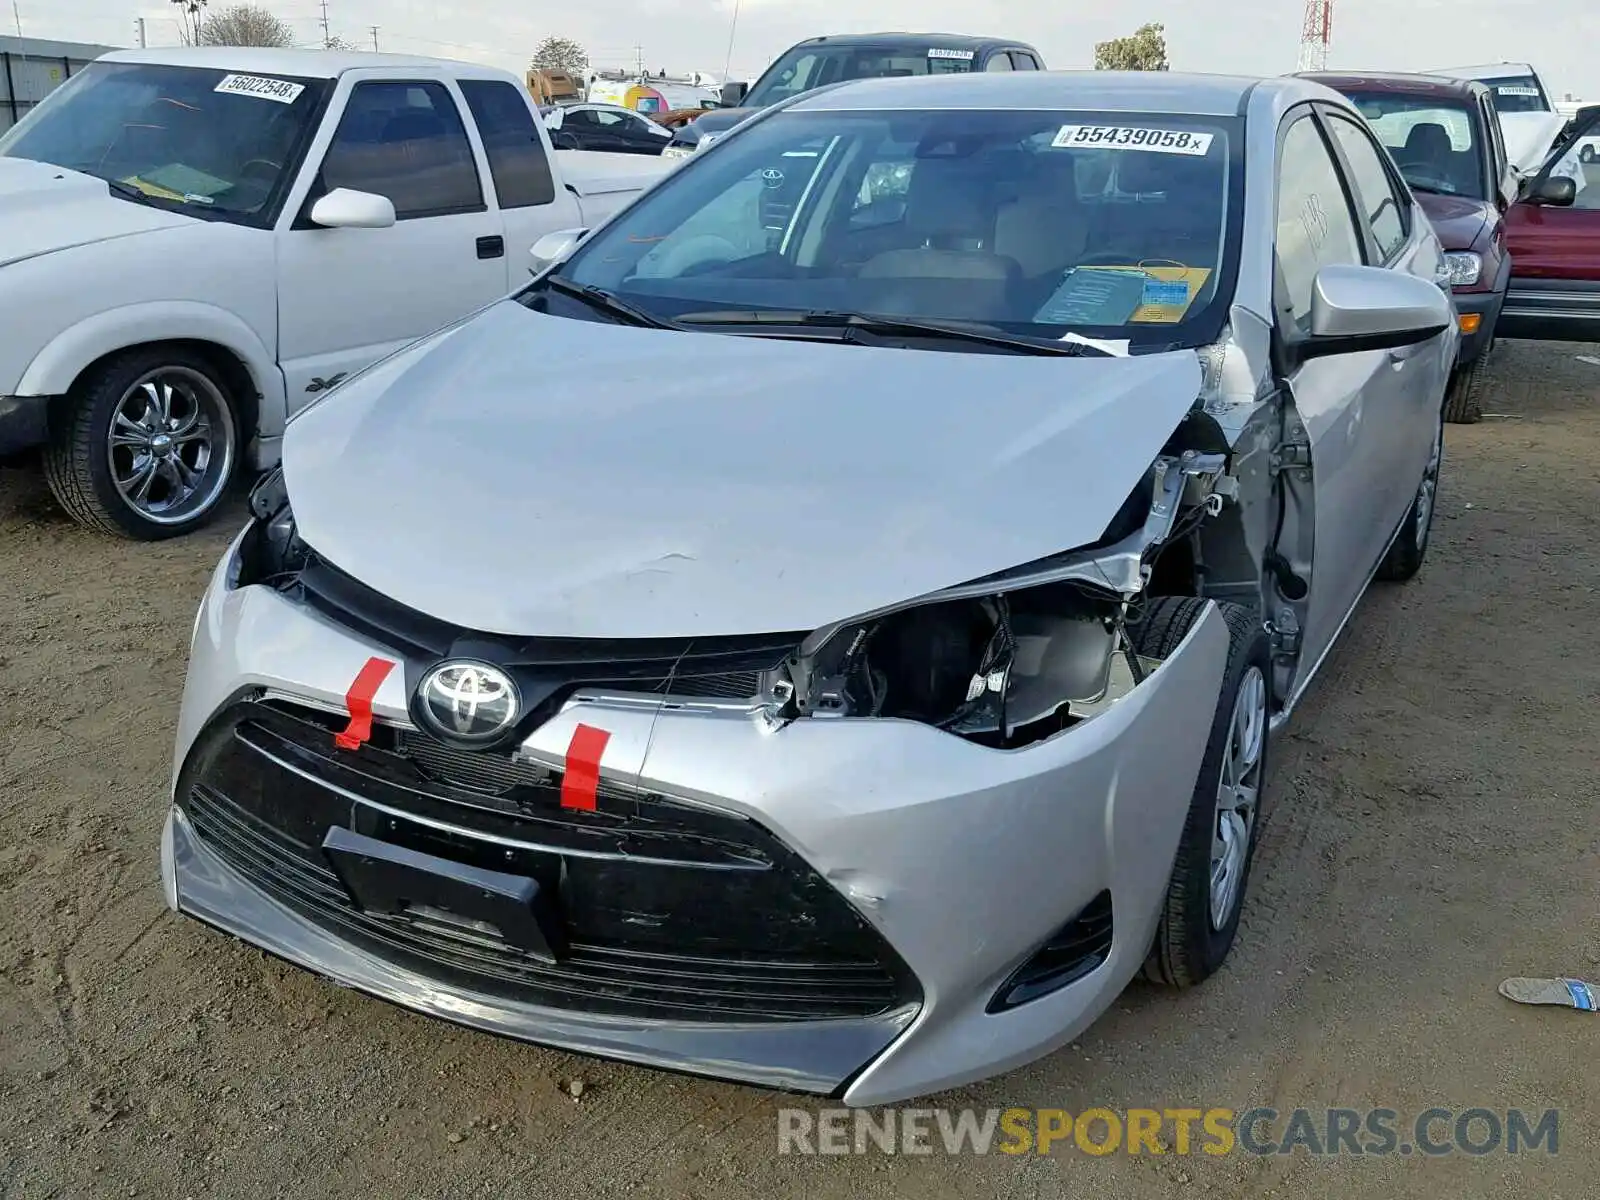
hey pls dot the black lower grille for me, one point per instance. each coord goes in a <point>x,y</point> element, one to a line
<point>1077,948</point>
<point>669,910</point>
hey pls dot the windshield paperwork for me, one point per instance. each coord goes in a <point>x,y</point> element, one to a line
<point>1033,224</point>
<point>1433,141</point>
<point>205,141</point>
<point>806,67</point>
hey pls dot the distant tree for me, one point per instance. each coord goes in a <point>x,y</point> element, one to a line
<point>560,54</point>
<point>244,25</point>
<point>190,13</point>
<point>335,42</point>
<point>1146,50</point>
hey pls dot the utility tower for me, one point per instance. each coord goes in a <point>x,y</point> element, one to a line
<point>1315,35</point>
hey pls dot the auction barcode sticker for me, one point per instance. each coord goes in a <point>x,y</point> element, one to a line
<point>1516,89</point>
<point>280,90</point>
<point>1132,137</point>
<point>942,52</point>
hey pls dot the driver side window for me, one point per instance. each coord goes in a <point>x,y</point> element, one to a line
<point>1315,228</point>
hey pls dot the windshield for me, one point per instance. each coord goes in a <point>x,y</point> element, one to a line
<point>1433,141</point>
<point>806,67</point>
<point>1518,94</point>
<point>204,140</point>
<point>1036,223</point>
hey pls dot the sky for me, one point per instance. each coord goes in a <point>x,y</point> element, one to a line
<point>1257,37</point>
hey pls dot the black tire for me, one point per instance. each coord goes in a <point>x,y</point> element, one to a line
<point>1410,545</point>
<point>77,463</point>
<point>1189,946</point>
<point>1587,154</point>
<point>1463,399</point>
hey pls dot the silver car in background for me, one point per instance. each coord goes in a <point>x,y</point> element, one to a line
<point>828,630</point>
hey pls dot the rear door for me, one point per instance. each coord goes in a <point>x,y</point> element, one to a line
<point>1555,246</point>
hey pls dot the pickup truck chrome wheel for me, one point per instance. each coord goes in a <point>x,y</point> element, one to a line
<point>1238,794</point>
<point>147,441</point>
<point>171,445</point>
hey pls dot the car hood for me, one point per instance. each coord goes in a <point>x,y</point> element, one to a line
<point>1458,220</point>
<point>525,474</point>
<point>45,208</point>
<point>1529,137</point>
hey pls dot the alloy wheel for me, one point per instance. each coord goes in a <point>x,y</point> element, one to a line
<point>1238,794</point>
<point>171,445</point>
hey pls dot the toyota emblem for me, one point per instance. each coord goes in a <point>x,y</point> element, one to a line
<point>467,702</point>
<point>772,179</point>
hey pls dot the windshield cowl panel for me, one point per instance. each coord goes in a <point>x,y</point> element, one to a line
<point>1025,223</point>
<point>206,142</point>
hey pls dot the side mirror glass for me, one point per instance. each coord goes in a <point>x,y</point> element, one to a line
<point>553,248</point>
<point>1557,191</point>
<point>733,94</point>
<point>344,208</point>
<point>1373,308</point>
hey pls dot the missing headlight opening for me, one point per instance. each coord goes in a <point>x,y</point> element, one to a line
<point>1004,671</point>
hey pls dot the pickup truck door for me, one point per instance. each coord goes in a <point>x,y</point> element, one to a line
<point>347,297</point>
<point>527,187</point>
<point>1555,248</point>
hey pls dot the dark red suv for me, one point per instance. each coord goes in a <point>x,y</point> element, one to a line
<point>1523,253</point>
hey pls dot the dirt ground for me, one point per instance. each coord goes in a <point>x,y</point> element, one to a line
<point>1434,830</point>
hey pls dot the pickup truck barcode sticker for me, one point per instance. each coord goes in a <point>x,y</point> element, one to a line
<point>941,52</point>
<point>1132,137</point>
<point>280,90</point>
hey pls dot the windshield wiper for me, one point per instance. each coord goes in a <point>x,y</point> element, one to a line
<point>892,326</point>
<point>603,300</point>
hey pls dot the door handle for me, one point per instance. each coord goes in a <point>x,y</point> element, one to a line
<point>493,246</point>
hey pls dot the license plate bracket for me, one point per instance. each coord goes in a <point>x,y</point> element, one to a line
<point>384,878</point>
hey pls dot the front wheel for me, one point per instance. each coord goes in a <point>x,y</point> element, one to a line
<point>146,446</point>
<point>1463,398</point>
<point>1205,895</point>
<point>1587,154</point>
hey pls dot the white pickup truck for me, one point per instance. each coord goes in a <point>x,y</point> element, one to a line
<point>195,243</point>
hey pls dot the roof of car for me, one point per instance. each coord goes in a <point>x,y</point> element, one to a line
<point>961,41</point>
<point>1395,81</point>
<point>1500,70</point>
<point>1108,91</point>
<point>304,64</point>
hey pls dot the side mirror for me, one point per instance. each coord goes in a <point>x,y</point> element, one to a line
<point>553,248</point>
<point>1557,191</point>
<point>733,94</point>
<point>1373,308</point>
<point>344,208</point>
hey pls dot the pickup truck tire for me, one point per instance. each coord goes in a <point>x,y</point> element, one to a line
<point>145,445</point>
<point>1211,870</point>
<point>1463,399</point>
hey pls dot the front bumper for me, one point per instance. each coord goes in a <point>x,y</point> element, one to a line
<point>907,861</point>
<point>1485,306</point>
<point>24,423</point>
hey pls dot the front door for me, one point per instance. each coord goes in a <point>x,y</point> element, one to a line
<point>347,297</point>
<point>1553,237</point>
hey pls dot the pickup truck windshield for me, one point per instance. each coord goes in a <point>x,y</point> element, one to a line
<point>806,67</point>
<point>1517,93</point>
<point>206,141</point>
<point>1433,141</point>
<point>1034,223</point>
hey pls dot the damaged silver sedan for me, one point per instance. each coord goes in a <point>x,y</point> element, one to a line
<point>827,631</point>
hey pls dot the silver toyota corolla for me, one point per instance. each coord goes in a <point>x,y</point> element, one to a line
<point>827,631</point>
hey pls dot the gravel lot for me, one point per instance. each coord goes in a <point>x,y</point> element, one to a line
<point>1434,830</point>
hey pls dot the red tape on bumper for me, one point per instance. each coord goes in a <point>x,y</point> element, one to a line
<point>582,780</point>
<point>358,700</point>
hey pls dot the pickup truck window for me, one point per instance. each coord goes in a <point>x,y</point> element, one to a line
<point>405,140</point>
<point>517,159</point>
<point>205,142</point>
<point>1433,140</point>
